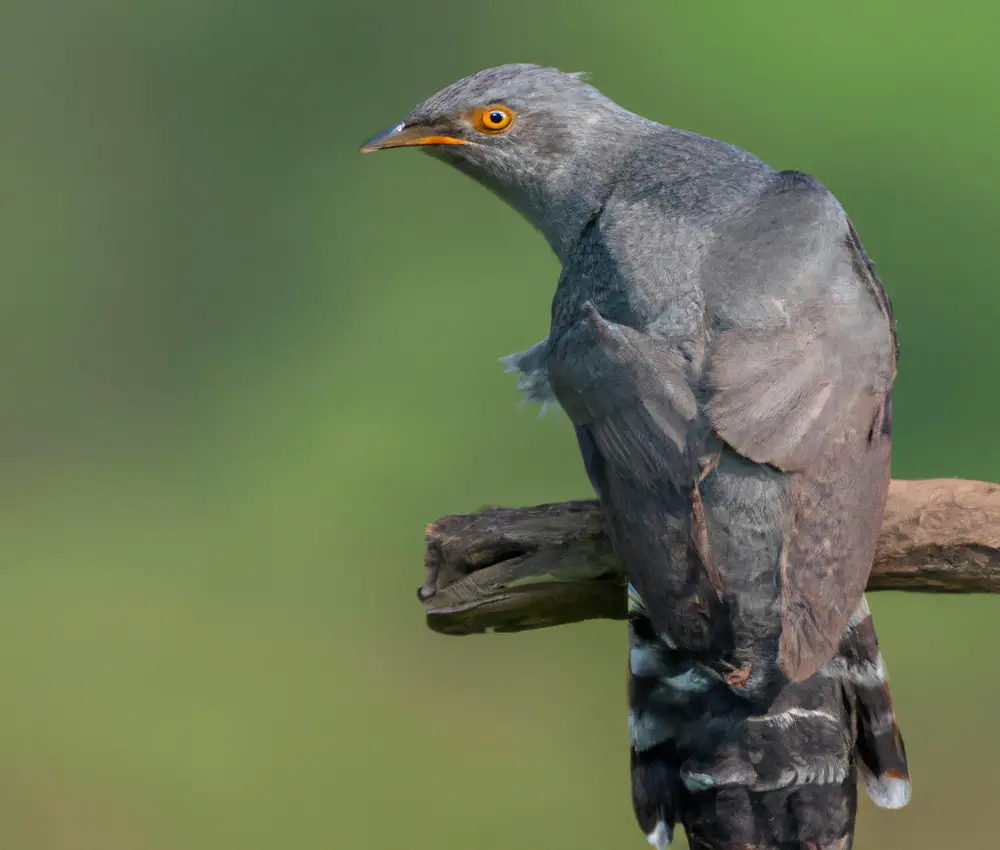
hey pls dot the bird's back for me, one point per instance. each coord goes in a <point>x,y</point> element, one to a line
<point>726,353</point>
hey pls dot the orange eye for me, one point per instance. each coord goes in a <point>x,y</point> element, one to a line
<point>495,119</point>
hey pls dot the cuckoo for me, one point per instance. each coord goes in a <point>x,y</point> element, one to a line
<point>725,352</point>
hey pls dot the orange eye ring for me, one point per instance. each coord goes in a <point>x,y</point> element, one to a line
<point>494,119</point>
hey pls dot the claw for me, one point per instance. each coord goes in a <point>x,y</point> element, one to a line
<point>738,678</point>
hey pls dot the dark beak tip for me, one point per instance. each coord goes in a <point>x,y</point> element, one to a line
<point>408,135</point>
<point>376,142</point>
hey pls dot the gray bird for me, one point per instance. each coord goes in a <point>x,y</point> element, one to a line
<point>726,353</point>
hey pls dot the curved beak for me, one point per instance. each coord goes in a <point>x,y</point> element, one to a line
<point>402,136</point>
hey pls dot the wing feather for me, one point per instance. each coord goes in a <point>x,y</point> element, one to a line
<point>804,387</point>
<point>778,432</point>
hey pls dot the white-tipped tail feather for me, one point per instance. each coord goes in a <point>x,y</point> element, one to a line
<point>661,836</point>
<point>886,792</point>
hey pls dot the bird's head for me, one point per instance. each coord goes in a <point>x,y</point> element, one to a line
<point>546,141</point>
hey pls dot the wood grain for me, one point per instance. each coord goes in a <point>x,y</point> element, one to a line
<point>513,569</point>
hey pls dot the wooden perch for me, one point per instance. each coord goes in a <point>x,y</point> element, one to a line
<point>512,569</point>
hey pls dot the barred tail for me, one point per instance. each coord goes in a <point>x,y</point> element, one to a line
<point>879,747</point>
<point>781,780</point>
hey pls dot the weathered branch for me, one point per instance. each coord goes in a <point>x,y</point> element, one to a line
<point>512,569</point>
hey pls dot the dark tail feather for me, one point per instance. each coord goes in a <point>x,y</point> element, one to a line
<point>800,817</point>
<point>655,762</point>
<point>880,751</point>
<point>656,787</point>
<point>784,780</point>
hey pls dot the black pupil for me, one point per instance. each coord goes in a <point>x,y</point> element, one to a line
<point>497,117</point>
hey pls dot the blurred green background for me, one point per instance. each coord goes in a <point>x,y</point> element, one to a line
<point>242,367</point>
